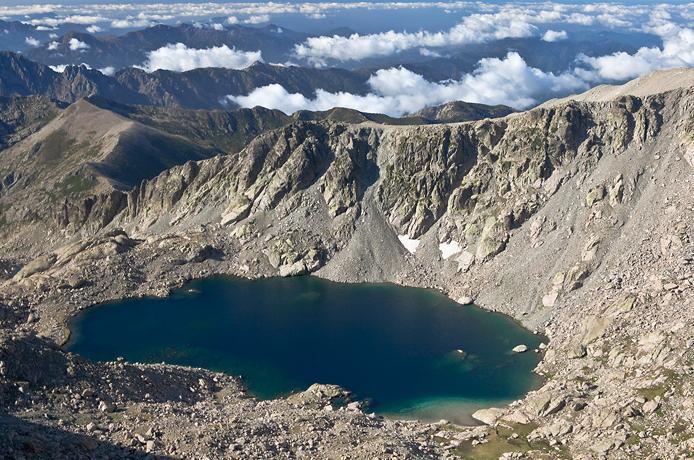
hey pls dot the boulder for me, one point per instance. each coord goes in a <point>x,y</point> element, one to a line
<point>295,269</point>
<point>465,260</point>
<point>465,300</point>
<point>594,195</point>
<point>520,348</point>
<point>650,406</point>
<point>38,265</point>
<point>488,416</point>
<point>492,240</point>
<point>550,299</point>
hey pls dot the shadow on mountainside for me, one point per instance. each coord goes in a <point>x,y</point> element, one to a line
<point>24,439</point>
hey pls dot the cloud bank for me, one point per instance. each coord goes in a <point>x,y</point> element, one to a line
<point>476,28</point>
<point>509,81</point>
<point>677,51</point>
<point>178,57</point>
<point>398,91</point>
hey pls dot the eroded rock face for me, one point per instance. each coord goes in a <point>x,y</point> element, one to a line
<point>478,180</point>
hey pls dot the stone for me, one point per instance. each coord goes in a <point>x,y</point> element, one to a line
<point>520,349</point>
<point>594,327</point>
<point>150,446</point>
<point>488,416</point>
<point>579,406</point>
<point>516,417</point>
<point>616,191</point>
<point>354,406</point>
<point>465,300</point>
<point>105,406</point>
<point>595,195</point>
<point>238,210</point>
<point>590,249</point>
<point>492,239</point>
<point>38,265</point>
<point>72,281</point>
<point>650,406</point>
<point>554,406</point>
<point>577,351</point>
<point>575,277</point>
<point>295,269</point>
<point>465,260</point>
<point>550,299</point>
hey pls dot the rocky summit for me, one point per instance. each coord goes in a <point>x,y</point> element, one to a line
<point>576,218</point>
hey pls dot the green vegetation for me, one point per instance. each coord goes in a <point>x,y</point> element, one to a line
<point>75,185</point>
<point>499,441</point>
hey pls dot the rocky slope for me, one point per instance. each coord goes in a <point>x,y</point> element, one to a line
<point>575,218</point>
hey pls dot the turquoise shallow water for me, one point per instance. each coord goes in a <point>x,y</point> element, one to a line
<point>393,346</point>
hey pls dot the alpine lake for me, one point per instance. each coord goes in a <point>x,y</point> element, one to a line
<point>409,353</point>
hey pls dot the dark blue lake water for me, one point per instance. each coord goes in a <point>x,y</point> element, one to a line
<point>394,346</point>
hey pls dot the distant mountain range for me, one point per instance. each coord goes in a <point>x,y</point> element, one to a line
<point>131,49</point>
<point>199,88</point>
<point>276,45</point>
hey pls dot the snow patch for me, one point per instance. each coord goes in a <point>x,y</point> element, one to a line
<point>409,243</point>
<point>450,248</point>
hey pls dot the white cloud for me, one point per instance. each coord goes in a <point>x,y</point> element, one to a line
<point>217,26</point>
<point>428,53</point>
<point>108,70</point>
<point>76,45</point>
<point>398,91</point>
<point>52,46</point>
<point>130,23</point>
<point>73,19</point>
<point>31,41</point>
<point>510,81</point>
<point>180,58</point>
<point>257,19</point>
<point>93,29</point>
<point>60,68</point>
<point>476,28</point>
<point>677,51</point>
<point>555,36</point>
<point>232,20</point>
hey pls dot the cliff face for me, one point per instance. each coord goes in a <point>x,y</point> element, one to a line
<point>474,182</point>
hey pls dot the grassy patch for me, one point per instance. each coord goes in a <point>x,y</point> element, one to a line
<point>499,442</point>
<point>651,393</point>
<point>75,185</point>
